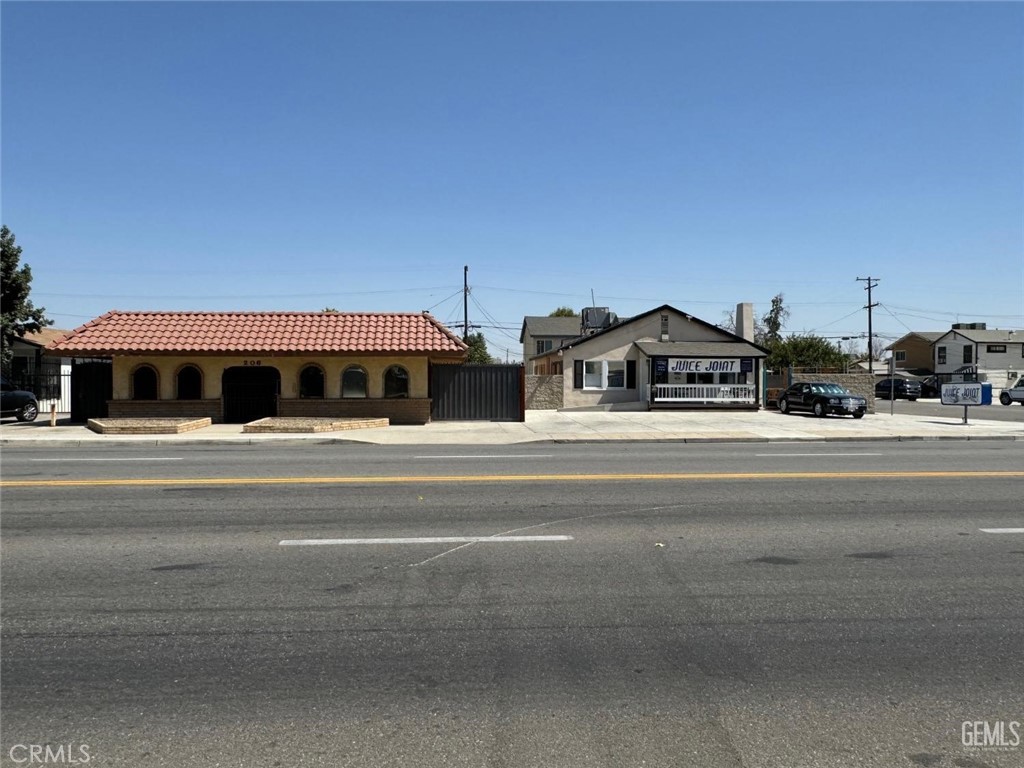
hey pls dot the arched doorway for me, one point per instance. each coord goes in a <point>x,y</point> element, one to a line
<point>250,393</point>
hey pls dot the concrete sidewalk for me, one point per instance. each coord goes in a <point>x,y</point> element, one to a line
<point>566,426</point>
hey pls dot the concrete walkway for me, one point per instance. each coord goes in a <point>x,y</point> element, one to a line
<point>569,426</point>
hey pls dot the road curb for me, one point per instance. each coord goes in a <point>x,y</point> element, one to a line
<point>220,442</point>
<point>299,441</point>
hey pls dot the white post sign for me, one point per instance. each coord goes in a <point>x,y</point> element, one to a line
<point>962,393</point>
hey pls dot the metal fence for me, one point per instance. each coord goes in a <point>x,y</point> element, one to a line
<point>482,392</point>
<point>50,382</point>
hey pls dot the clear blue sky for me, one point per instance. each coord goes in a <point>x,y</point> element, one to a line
<point>266,156</point>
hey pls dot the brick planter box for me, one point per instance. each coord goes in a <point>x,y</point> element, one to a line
<point>308,425</point>
<point>395,410</point>
<point>146,426</point>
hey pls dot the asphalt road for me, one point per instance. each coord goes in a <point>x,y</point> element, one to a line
<point>811,605</point>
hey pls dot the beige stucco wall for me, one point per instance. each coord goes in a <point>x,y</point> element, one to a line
<point>289,368</point>
<point>614,345</point>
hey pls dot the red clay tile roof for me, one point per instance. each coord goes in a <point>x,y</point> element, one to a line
<point>44,336</point>
<point>120,333</point>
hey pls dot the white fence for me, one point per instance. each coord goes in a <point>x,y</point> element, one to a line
<point>704,393</point>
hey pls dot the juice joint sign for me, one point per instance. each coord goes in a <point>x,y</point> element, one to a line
<point>709,365</point>
<point>967,393</point>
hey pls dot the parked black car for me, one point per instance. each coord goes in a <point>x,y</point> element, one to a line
<point>908,389</point>
<point>17,402</point>
<point>822,398</point>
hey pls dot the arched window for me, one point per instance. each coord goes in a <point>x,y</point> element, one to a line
<point>144,383</point>
<point>396,382</point>
<point>190,383</point>
<point>353,382</point>
<point>311,381</point>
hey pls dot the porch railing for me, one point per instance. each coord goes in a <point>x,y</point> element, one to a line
<point>703,393</point>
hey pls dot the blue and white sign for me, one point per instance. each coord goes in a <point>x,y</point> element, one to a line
<point>702,365</point>
<point>967,393</point>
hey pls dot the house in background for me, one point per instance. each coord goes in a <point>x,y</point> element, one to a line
<point>661,358</point>
<point>995,356</point>
<point>242,366</point>
<point>913,353</point>
<point>541,334</point>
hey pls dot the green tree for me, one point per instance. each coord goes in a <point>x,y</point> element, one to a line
<point>17,314</point>
<point>478,349</point>
<point>805,352</point>
<point>773,321</point>
<point>563,312</point>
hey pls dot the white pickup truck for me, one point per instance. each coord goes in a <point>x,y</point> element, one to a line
<point>1014,394</point>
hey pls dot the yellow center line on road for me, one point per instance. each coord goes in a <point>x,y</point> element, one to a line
<point>399,480</point>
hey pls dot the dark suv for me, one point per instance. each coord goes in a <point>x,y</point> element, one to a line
<point>931,387</point>
<point>17,402</point>
<point>908,389</point>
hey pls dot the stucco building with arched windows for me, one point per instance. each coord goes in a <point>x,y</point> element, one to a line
<point>241,366</point>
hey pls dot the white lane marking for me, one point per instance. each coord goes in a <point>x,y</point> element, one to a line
<point>549,523</point>
<point>422,540</point>
<point>1001,530</point>
<point>773,455</point>
<point>179,458</point>
<point>494,456</point>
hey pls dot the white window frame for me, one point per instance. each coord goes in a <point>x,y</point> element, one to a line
<point>617,365</point>
<point>900,355</point>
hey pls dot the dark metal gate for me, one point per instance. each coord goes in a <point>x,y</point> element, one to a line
<point>92,385</point>
<point>478,392</point>
<point>250,393</point>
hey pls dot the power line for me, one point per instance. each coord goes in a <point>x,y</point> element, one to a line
<point>955,314</point>
<point>896,318</point>
<point>839,320</point>
<point>488,315</point>
<point>655,300</point>
<point>442,301</point>
<point>194,297</point>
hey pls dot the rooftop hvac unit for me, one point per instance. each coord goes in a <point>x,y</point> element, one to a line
<point>597,318</point>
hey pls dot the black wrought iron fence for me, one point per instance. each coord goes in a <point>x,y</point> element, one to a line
<point>48,381</point>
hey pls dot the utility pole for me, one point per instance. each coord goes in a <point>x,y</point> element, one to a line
<point>465,304</point>
<point>871,337</point>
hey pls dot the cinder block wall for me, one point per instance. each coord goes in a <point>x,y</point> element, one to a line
<point>544,393</point>
<point>399,410</point>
